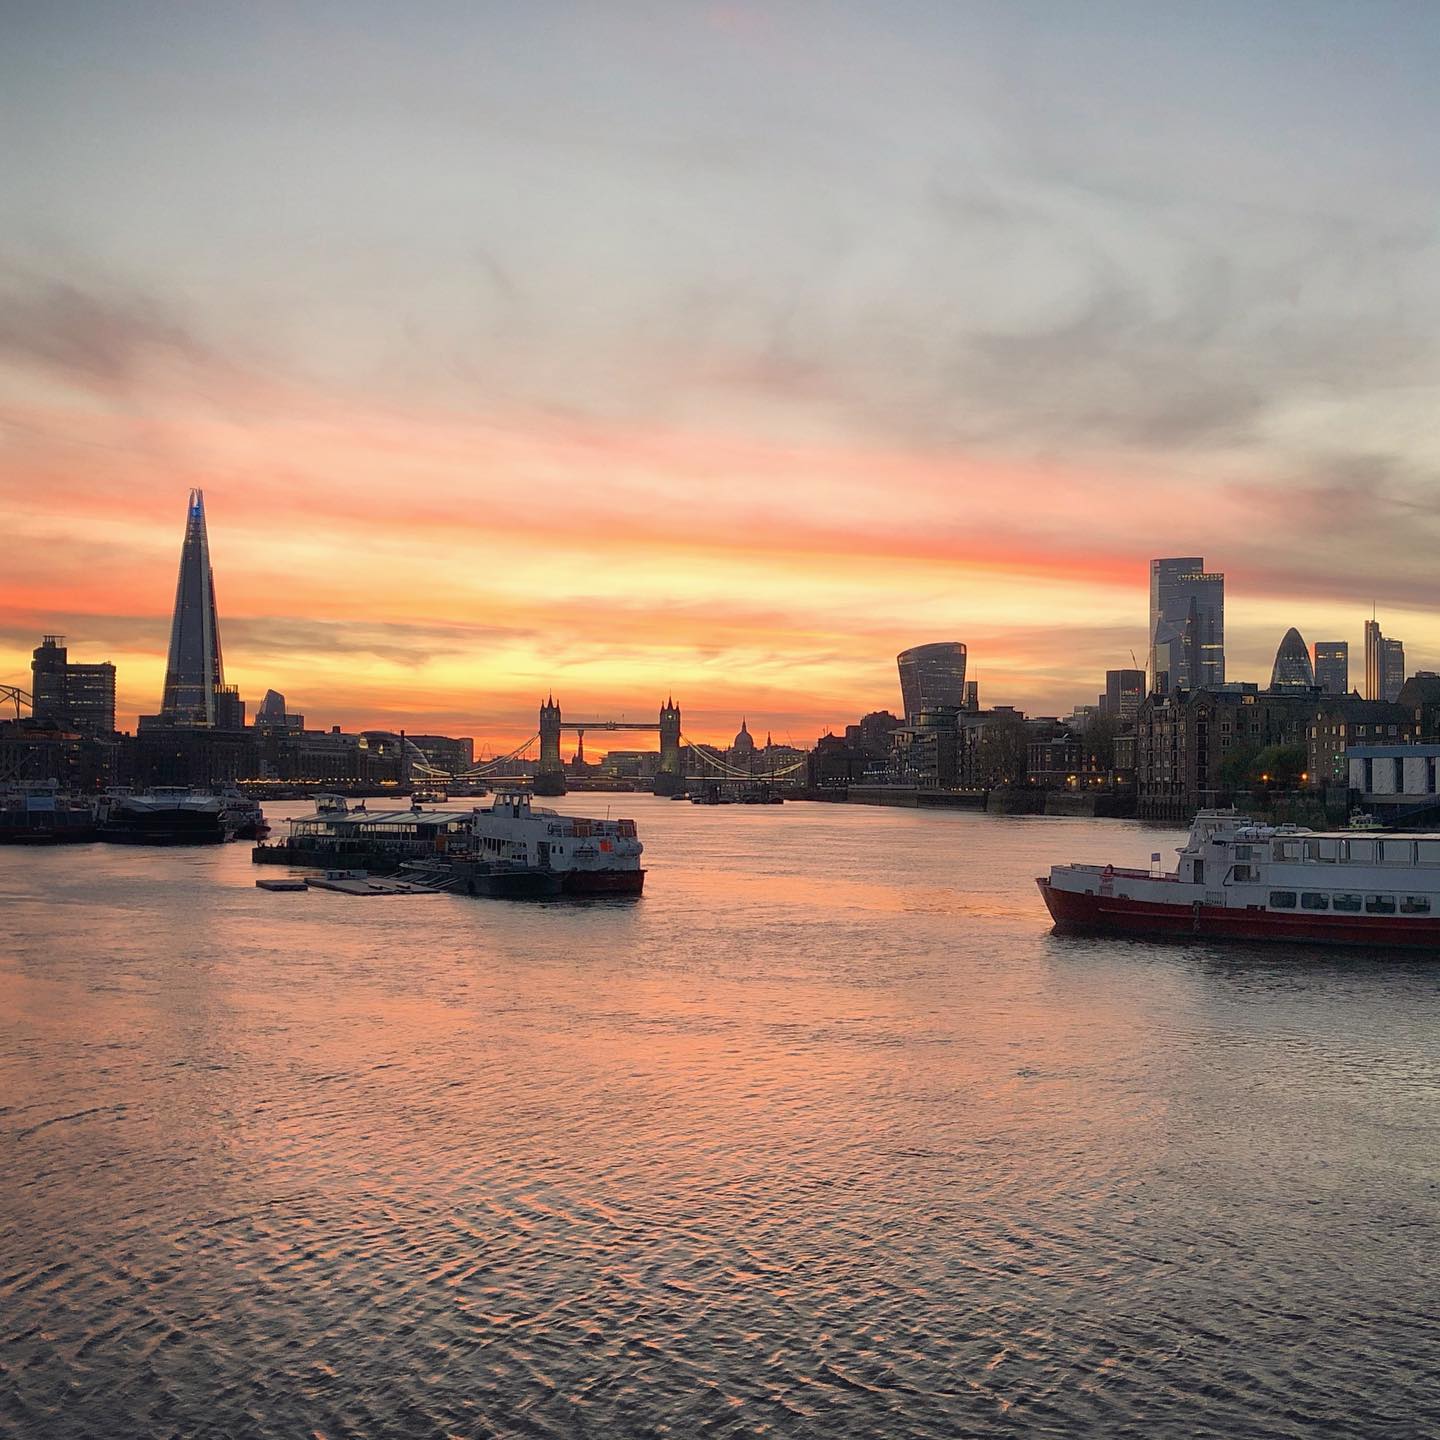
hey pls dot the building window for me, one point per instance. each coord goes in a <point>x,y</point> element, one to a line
<point>1282,899</point>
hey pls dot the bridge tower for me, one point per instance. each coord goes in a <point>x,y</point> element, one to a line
<point>670,738</point>
<point>550,761</point>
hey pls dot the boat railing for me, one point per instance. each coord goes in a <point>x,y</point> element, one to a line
<point>1129,872</point>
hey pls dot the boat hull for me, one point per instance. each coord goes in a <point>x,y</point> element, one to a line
<point>48,835</point>
<point>1121,915</point>
<point>514,884</point>
<point>602,882</point>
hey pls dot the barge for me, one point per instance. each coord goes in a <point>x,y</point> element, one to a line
<point>1238,880</point>
<point>511,847</point>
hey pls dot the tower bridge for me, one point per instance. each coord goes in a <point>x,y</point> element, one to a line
<point>552,724</point>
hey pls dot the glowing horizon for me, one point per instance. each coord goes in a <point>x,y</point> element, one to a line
<point>722,354</point>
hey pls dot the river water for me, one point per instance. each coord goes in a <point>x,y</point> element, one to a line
<point>827,1135</point>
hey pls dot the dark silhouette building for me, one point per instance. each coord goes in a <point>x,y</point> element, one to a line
<point>931,675</point>
<point>1384,664</point>
<point>199,736</point>
<point>671,759</point>
<point>445,752</point>
<point>1124,690</point>
<point>1332,666</point>
<point>1342,721</point>
<point>1292,669</point>
<point>79,697</point>
<point>194,672</point>
<point>1185,739</point>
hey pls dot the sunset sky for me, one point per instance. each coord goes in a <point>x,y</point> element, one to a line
<point>716,349</point>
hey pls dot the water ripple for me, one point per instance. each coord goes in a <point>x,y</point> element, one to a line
<point>827,1136</point>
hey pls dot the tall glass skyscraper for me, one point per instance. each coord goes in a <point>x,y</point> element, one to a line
<point>1187,625</point>
<point>1384,664</point>
<point>1332,666</point>
<point>194,675</point>
<point>1292,669</point>
<point>931,675</point>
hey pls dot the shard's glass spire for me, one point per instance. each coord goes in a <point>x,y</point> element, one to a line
<point>194,672</point>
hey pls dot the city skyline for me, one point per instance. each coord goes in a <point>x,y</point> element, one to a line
<point>194,617</point>
<point>789,345</point>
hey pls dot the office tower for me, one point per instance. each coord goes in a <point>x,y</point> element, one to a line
<point>1392,669</point>
<point>79,696</point>
<point>195,675</point>
<point>1332,666</point>
<point>1384,664</point>
<point>1124,690</point>
<point>1187,625</point>
<point>1372,659</point>
<point>931,675</point>
<point>1292,669</point>
<point>972,695</point>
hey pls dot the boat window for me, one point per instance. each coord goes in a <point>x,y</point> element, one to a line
<point>1243,852</point>
<point>1282,899</point>
<point>1347,902</point>
<point>1322,850</point>
<point>1379,904</point>
<point>1242,874</point>
<point>1397,852</point>
<point>1311,901</point>
<point>1359,852</point>
<point>1287,850</point>
<point>1415,905</point>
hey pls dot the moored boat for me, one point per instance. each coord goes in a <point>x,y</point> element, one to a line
<point>1239,880</point>
<point>590,857</point>
<point>46,815</point>
<point>166,815</point>
<point>247,818</point>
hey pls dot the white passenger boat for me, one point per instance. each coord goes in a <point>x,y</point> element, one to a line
<point>1239,880</point>
<point>591,857</point>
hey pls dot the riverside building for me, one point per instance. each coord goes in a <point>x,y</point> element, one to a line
<point>79,696</point>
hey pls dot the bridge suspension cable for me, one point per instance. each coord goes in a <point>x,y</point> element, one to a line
<point>427,771</point>
<point>734,772</point>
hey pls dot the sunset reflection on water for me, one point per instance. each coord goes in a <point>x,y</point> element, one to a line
<point>826,1134</point>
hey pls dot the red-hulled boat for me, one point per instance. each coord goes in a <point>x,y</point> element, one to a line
<point>1238,880</point>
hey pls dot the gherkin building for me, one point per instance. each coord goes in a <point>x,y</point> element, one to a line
<point>1293,669</point>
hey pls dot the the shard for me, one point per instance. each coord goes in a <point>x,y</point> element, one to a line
<point>194,675</point>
